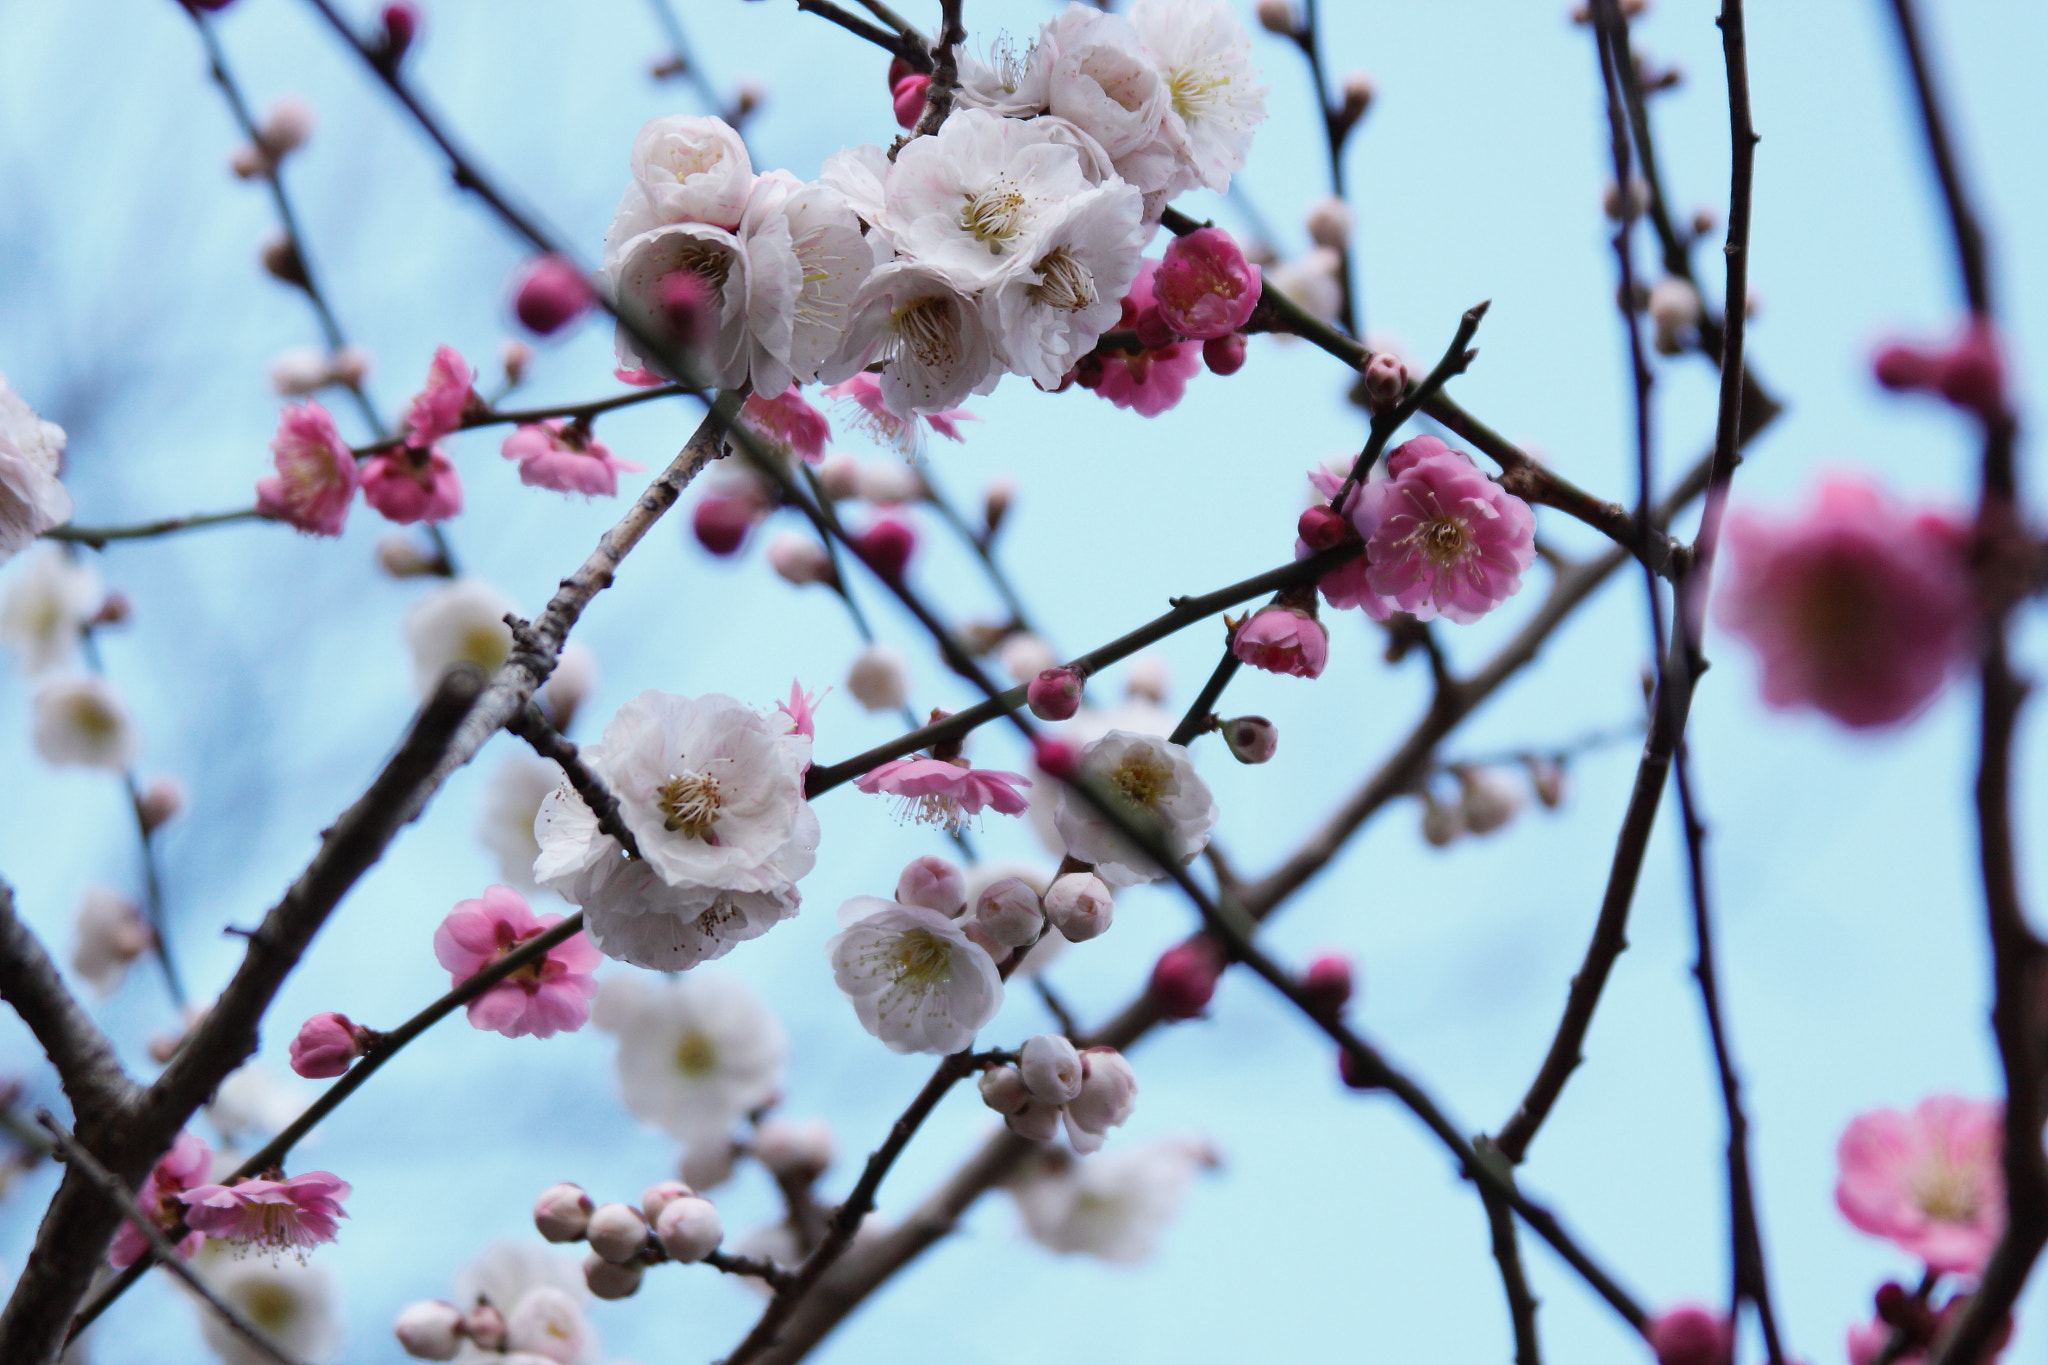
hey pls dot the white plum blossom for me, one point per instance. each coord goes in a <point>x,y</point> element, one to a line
<point>511,807</point>
<point>83,721</point>
<point>1104,82</point>
<point>1213,98</point>
<point>1153,781</point>
<point>255,1102</point>
<point>879,679</point>
<point>917,982</point>
<point>685,170</point>
<point>696,1053</point>
<point>832,260</point>
<point>1009,82</point>
<point>973,198</point>
<point>44,614</point>
<point>1113,1207</point>
<point>541,1297</point>
<point>31,456</point>
<point>294,1304</point>
<point>928,334</point>
<point>858,173</point>
<point>1108,1093</point>
<point>459,622</point>
<point>108,933</point>
<point>1070,288</point>
<point>755,282</point>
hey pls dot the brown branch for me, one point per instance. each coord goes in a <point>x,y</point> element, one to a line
<point>1507,1253</point>
<point>533,727</point>
<point>98,536</point>
<point>908,46</point>
<point>100,1091</point>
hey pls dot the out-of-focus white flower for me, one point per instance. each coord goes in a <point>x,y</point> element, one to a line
<point>462,622</point>
<point>1155,785</point>
<point>47,605</point>
<point>776,1242</point>
<point>295,1304</point>
<point>1330,222</point>
<point>541,1297</point>
<point>1148,681</point>
<point>1311,281</point>
<point>794,1150</point>
<point>31,456</point>
<point>1213,98</point>
<point>109,932</point>
<point>1115,1206</point>
<point>1486,799</point>
<point>917,982</point>
<point>1674,307</point>
<point>927,332</point>
<point>1024,656</point>
<point>574,679</point>
<point>83,721</point>
<point>1069,284</point>
<point>696,1053</point>
<point>511,804</point>
<point>254,1102</point>
<point>879,679</point>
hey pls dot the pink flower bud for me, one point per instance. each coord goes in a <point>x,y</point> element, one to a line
<point>1051,1068</point>
<point>326,1046</point>
<point>1204,286</point>
<point>401,26</point>
<point>1002,1089</point>
<point>351,366</point>
<point>1328,981</point>
<point>617,1232</point>
<point>886,547</point>
<point>659,1196</point>
<point>609,1281</point>
<point>287,127</point>
<point>1973,373</point>
<point>839,477</point>
<point>794,1151</point>
<point>1690,1335</point>
<point>798,559</point>
<point>1278,16</point>
<point>1321,527</point>
<point>934,884</point>
<point>721,523</point>
<point>908,97</point>
<point>485,1326</point>
<point>250,162</point>
<point>898,69</point>
<point>1224,354</point>
<point>1054,694</point>
<point>1009,912</point>
<point>562,1213</point>
<point>281,260</point>
<point>707,1165</point>
<point>1036,1121</point>
<point>1386,380</point>
<point>552,294</point>
<point>1902,367</point>
<point>1055,757</point>
<point>1109,1091</point>
<point>689,1230</point>
<point>160,803</point>
<point>1283,639</point>
<point>1185,976</point>
<point>1251,739</point>
<point>1079,905</point>
<point>429,1330</point>
<point>1153,330</point>
<point>1330,222</point>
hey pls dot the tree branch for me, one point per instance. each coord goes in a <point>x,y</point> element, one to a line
<point>100,1091</point>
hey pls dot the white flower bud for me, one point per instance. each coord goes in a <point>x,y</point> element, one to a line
<point>399,557</point>
<point>839,477</point>
<point>574,679</point>
<point>689,1229</point>
<point>289,126</point>
<point>514,357</point>
<point>617,1232</point>
<point>1441,824</point>
<point>351,366</point>
<point>546,1324</point>
<point>1148,679</point>
<point>794,1151</point>
<point>1079,904</point>
<point>300,371</point>
<point>1674,307</point>
<point>1486,800</point>
<point>933,883</point>
<point>160,803</point>
<point>1009,912</point>
<point>562,1213</point>
<point>799,559</point>
<point>1039,1122</point>
<point>250,162</point>
<point>1109,1091</point>
<point>1024,656</point>
<point>1051,1068</point>
<point>1002,1089</point>
<point>879,679</point>
<point>657,1197</point>
<point>429,1330</point>
<point>1330,222</point>
<point>886,483</point>
<point>1278,16</point>
<point>707,1165</point>
<point>609,1281</point>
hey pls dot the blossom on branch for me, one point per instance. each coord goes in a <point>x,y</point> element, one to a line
<point>437,410</point>
<point>270,1215</point>
<point>1283,639</point>
<point>946,794</point>
<point>565,457</point>
<point>316,472</point>
<point>1154,785</point>
<point>180,1169</point>
<point>1931,1180</point>
<point>1441,539</point>
<point>409,484</point>
<point>83,721</point>
<point>547,996</point>
<point>916,980</point>
<point>697,1053</point>
<point>1113,1207</point>
<point>31,455</point>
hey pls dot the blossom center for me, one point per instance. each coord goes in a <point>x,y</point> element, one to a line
<point>920,959</point>
<point>1063,283</point>
<point>696,1055</point>
<point>270,1306</point>
<point>482,645</point>
<point>1945,1194</point>
<point>1444,541</point>
<point>689,804</point>
<point>708,261</point>
<point>1195,91</point>
<point>93,720</point>
<point>1141,778</point>
<point>926,327</point>
<point>993,215</point>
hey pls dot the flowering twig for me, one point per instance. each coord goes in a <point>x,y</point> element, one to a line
<point>776,1277</point>
<point>945,50</point>
<point>1338,124</point>
<point>74,1156</point>
<point>908,45</point>
<point>1456,358</point>
<point>98,536</point>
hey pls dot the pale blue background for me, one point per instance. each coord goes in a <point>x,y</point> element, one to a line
<point>268,670</point>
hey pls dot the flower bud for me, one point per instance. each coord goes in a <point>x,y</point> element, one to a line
<point>1624,205</point>
<point>1386,381</point>
<point>250,162</point>
<point>1328,981</point>
<point>1283,639</point>
<point>1224,355</point>
<point>1972,374</point>
<point>1278,16</point>
<point>707,1165</point>
<point>1185,976</point>
<point>287,127</point>
<point>514,356</point>
<point>933,883</point>
<point>300,371</point>
<point>995,503</point>
<point>281,260</point>
<point>799,559</point>
<point>1486,800</point>
<point>327,1045</point>
<point>609,1281</point>
<point>1109,1091</point>
<point>1690,1335</point>
<point>562,1213</point>
<point>721,523</point>
<point>1002,1089</point>
<point>351,366</point>
<point>485,1326</point>
<point>1051,1068</point>
<point>1674,306</point>
<point>1009,912</point>
<point>1330,222</point>
<point>888,483</point>
<point>617,1232</point>
<point>878,679</point>
<point>550,295</point>
<point>659,1196</point>
<point>1322,527</point>
<point>160,803</point>
<point>1079,905</point>
<point>1055,757</point>
<point>401,26</point>
<point>1357,93</point>
<point>1547,780</point>
<point>908,98</point>
<point>1148,679</point>
<point>1036,1121</point>
<point>839,477</point>
<point>1204,285</point>
<point>429,1330</point>
<point>886,547</point>
<point>399,557</point>
<point>799,1152</point>
<point>1024,656</point>
<point>689,1230</point>
<point>1054,694</point>
<point>1441,824</point>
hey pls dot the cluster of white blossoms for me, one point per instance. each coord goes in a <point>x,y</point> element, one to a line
<point>31,455</point>
<point>1004,243</point>
<point>713,795</point>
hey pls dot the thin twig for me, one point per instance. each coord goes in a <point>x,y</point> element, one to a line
<point>85,1059</point>
<point>533,727</point>
<point>98,536</point>
<point>910,47</point>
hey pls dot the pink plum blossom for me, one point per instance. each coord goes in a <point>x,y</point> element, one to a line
<point>864,391</point>
<point>326,1045</point>
<point>552,294</point>
<point>802,710</point>
<point>437,409</point>
<point>316,473</point>
<point>1441,539</point>
<point>564,456</point>
<point>1857,607</point>
<point>945,794</point>
<point>1150,379</point>
<point>1689,1334</point>
<point>1204,286</point>
<point>176,1171</point>
<point>788,423</point>
<point>1283,639</point>
<point>1969,372</point>
<point>275,1215</point>
<point>1929,1180</point>
<point>543,998</point>
<point>908,98</point>
<point>409,485</point>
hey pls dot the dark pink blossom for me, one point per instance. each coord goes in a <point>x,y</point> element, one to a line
<point>548,996</point>
<point>1282,639</point>
<point>1204,286</point>
<point>1441,539</point>
<point>945,794</point>
<point>316,472</point>
<point>886,546</point>
<point>1969,372</point>
<point>1689,1334</point>
<point>327,1045</point>
<point>552,294</point>
<point>1147,380</point>
<point>1929,1180</point>
<point>1185,976</point>
<point>437,409</point>
<point>789,424</point>
<point>409,485</point>
<point>1857,607</point>
<point>271,1215</point>
<point>182,1168</point>
<point>560,455</point>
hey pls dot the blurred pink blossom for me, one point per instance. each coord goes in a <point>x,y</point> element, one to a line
<point>187,1163</point>
<point>789,423</point>
<point>1204,286</point>
<point>316,472</point>
<point>409,485</point>
<point>275,1215</point>
<point>1929,1180</point>
<point>567,458</point>
<point>437,409</point>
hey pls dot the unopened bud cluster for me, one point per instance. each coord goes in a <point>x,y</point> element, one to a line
<point>1093,1090</point>
<point>671,1223</point>
<point>1488,798</point>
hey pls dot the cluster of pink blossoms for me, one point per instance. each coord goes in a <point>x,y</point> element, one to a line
<point>266,1215</point>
